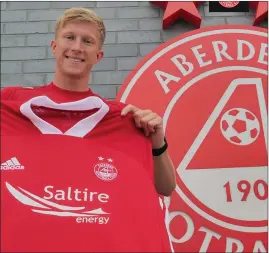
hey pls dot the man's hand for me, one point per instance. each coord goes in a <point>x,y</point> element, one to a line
<point>150,122</point>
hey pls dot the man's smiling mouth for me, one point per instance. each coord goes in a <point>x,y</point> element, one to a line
<point>75,59</point>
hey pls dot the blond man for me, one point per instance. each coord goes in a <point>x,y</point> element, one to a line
<point>85,178</point>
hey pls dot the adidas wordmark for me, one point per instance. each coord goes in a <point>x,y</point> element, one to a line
<point>12,164</point>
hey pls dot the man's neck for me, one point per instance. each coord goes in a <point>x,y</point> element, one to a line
<point>72,84</point>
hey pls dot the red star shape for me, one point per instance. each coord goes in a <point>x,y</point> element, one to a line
<point>261,11</point>
<point>180,10</point>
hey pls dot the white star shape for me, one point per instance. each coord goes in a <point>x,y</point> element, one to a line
<point>110,160</point>
<point>101,158</point>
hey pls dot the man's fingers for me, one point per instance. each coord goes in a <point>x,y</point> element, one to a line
<point>146,131</point>
<point>138,122</point>
<point>139,115</point>
<point>144,124</point>
<point>148,118</point>
<point>142,113</point>
<point>154,124</point>
<point>149,123</point>
<point>127,109</point>
<point>145,119</point>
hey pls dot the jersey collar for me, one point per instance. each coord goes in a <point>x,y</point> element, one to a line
<point>81,128</point>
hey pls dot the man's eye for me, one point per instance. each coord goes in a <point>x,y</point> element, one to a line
<point>69,37</point>
<point>87,41</point>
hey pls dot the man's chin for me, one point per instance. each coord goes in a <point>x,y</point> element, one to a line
<point>74,74</point>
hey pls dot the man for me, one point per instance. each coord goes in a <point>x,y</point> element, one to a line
<point>73,128</point>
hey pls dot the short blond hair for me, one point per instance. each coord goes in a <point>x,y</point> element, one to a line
<point>81,14</point>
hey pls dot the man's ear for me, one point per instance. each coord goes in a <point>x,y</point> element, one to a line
<point>100,55</point>
<point>53,47</point>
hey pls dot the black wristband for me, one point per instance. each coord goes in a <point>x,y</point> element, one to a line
<point>159,151</point>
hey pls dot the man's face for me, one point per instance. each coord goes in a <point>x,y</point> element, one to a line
<point>77,48</point>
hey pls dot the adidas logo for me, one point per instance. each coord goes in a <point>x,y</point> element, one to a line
<point>12,164</point>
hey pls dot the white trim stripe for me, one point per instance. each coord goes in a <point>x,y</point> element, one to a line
<point>15,161</point>
<point>11,162</point>
<point>81,128</point>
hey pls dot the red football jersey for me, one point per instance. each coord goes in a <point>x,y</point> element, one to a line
<point>75,176</point>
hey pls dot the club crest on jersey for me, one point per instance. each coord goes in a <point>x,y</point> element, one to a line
<point>104,170</point>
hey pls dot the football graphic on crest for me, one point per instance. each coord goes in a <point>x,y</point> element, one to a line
<point>240,126</point>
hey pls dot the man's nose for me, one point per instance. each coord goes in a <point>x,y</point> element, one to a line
<point>77,46</point>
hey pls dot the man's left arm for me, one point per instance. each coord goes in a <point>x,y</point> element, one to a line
<point>164,174</point>
<point>152,125</point>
